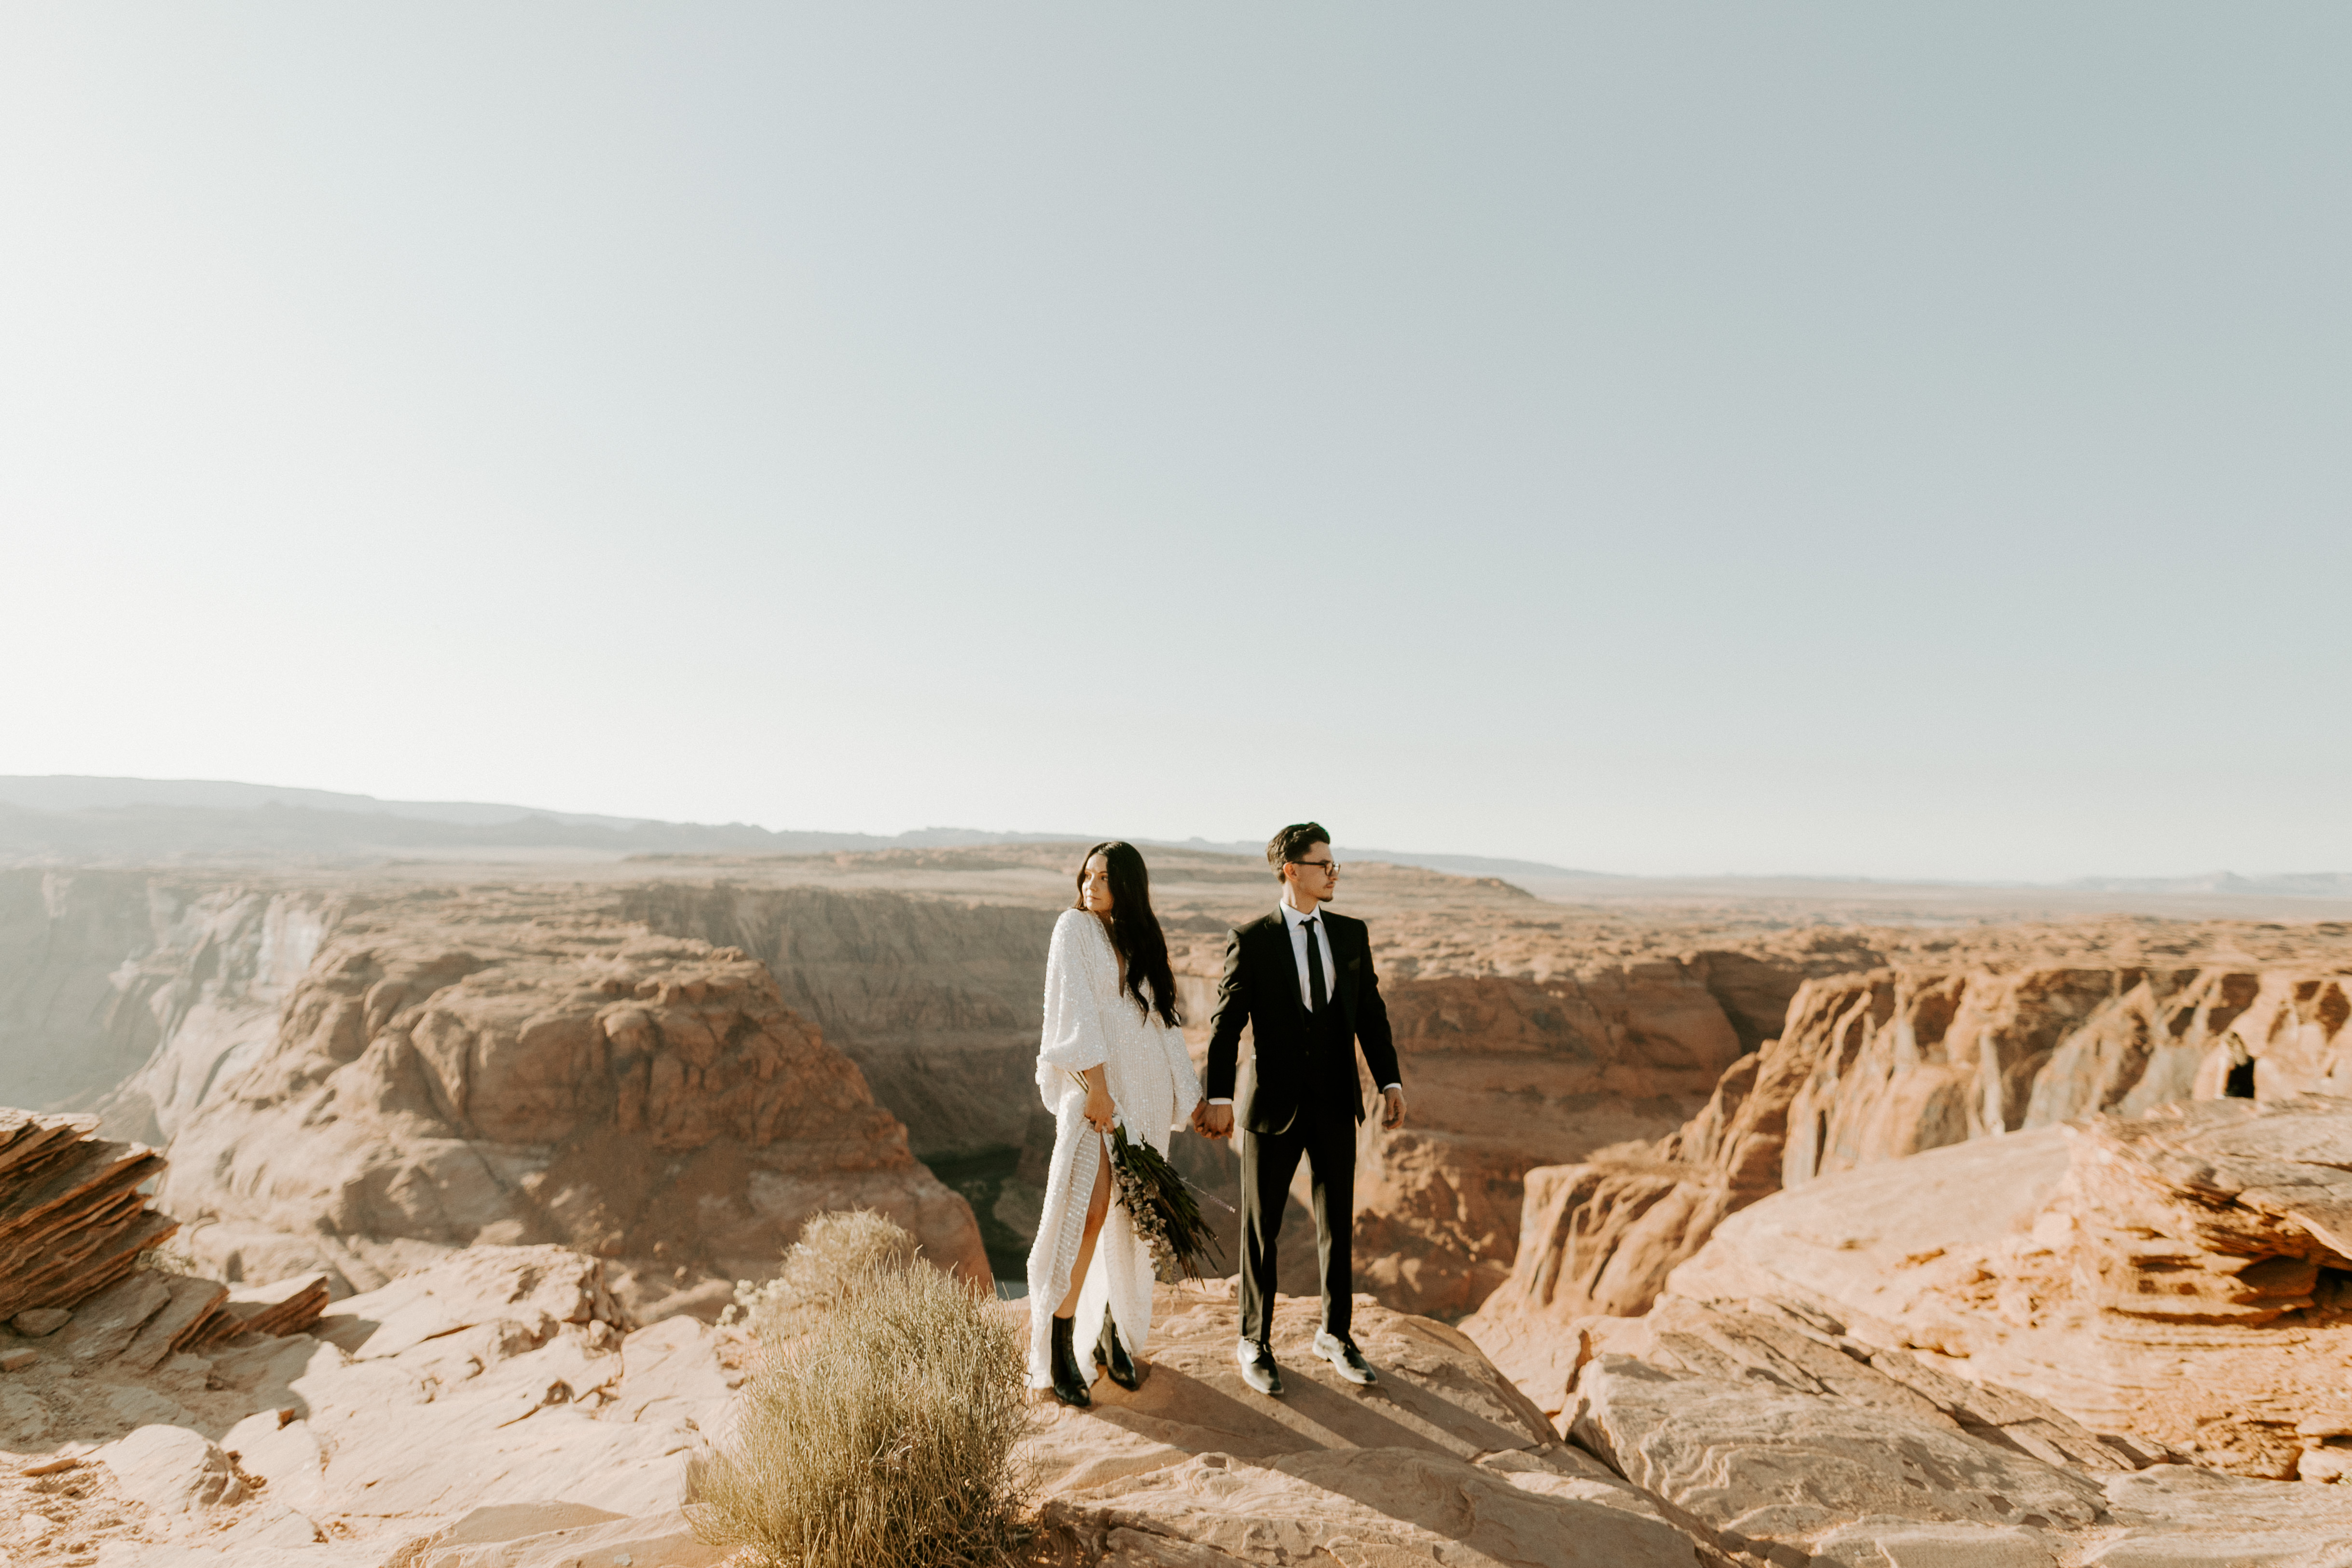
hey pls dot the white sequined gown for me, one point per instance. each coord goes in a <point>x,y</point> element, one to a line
<point>1089,1020</point>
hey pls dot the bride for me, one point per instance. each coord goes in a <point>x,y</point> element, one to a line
<point>1111,1055</point>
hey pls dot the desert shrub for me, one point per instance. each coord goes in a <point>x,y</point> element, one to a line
<point>836,1253</point>
<point>886,1438</point>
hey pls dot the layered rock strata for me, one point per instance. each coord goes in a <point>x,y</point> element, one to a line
<point>73,1219</point>
<point>505,1069</point>
<point>287,1306</point>
<point>1878,1067</point>
<point>1507,1075</point>
<point>99,969</point>
<point>2182,1278</point>
<point>939,1003</point>
<point>931,986</point>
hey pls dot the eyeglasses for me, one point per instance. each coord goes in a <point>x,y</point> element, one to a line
<point>1330,866</point>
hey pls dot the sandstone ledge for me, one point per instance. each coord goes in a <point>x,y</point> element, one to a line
<point>1441,1461</point>
<point>2175,1277</point>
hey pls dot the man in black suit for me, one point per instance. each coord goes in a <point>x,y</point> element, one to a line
<point>1301,978</point>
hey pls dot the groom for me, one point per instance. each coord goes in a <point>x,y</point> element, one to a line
<point>1302,979</point>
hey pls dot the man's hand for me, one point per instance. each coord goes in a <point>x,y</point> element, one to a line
<point>1213,1120</point>
<point>1392,1109</point>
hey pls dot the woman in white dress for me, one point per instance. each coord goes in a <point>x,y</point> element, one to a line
<point>1111,1055</point>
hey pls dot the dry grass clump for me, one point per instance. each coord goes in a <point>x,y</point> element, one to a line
<point>886,1438</point>
<point>835,1253</point>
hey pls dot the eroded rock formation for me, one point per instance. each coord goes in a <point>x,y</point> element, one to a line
<point>938,1003</point>
<point>73,1219</point>
<point>2185,1276</point>
<point>1774,1426</point>
<point>100,968</point>
<point>1509,1074</point>
<point>1541,1036</point>
<point>1877,1066</point>
<point>495,1407</point>
<point>507,1070</point>
<point>1753,1431</point>
<point>499,1407</point>
<point>1900,1061</point>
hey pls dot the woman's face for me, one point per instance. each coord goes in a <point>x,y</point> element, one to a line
<point>1093,887</point>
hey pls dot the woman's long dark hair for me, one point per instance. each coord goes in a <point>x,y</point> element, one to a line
<point>1134,929</point>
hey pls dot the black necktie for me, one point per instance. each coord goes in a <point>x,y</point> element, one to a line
<point>1317,993</point>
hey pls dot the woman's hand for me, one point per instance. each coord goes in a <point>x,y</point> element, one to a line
<point>1099,1109</point>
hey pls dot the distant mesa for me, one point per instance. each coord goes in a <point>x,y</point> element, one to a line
<point>2305,885</point>
<point>75,817</point>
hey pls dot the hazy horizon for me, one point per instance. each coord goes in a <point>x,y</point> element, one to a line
<point>71,793</point>
<point>1688,440</point>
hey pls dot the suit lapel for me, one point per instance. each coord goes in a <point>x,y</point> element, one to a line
<point>1279,944</point>
<point>1344,970</point>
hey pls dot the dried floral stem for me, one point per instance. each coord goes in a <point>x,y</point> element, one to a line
<point>1161,1206</point>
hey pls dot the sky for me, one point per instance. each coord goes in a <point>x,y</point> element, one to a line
<point>1837,439</point>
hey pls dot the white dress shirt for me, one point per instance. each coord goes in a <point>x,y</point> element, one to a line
<point>1300,936</point>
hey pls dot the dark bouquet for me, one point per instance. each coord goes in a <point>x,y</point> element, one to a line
<point>1161,1206</point>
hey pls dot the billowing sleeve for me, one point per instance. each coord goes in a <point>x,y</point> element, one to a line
<point>1073,1039</point>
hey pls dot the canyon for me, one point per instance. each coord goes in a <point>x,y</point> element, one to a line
<point>2046,1204</point>
<point>209,1014</point>
<point>1881,1065</point>
<point>1614,1057</point>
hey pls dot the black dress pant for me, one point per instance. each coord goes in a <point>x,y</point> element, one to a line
<point>1326,1137</point>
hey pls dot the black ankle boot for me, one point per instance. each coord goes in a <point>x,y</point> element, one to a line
<point>1112,1357</point>
<point>1069,1378</point>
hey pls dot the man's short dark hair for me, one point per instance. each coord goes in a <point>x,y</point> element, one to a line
<point>1293,843</point>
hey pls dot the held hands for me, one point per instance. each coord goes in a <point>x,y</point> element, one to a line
<point>1217,1121</point>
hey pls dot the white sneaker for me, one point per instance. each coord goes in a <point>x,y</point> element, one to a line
<point>1258,1369</point>
<point>1344,1357</point>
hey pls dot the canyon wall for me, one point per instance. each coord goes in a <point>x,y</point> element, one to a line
<point>938,1001</point>
<point>359,1080</point>
<point>1876,1067</point>
<point>1504,1075</point>
<point>98,968</point>
<point>514,1068</point>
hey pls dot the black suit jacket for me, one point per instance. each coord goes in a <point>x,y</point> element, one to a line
<point>1260,988</point>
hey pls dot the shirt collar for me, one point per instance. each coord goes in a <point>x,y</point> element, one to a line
<point>1294,919</point>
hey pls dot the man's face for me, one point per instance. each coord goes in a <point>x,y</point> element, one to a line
<point>1314,877</point>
